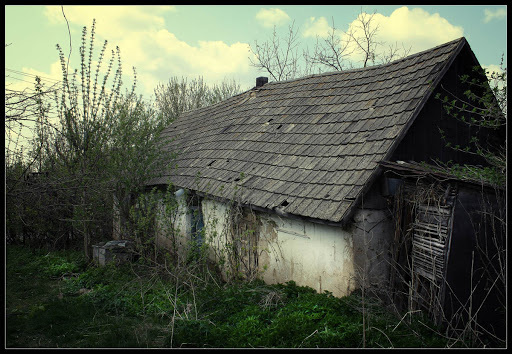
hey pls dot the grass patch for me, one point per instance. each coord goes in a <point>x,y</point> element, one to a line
<point>57,300</point>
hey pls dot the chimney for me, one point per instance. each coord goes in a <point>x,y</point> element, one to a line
<point>260,81</point>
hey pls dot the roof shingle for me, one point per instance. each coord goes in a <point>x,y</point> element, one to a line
<point>314,142</point>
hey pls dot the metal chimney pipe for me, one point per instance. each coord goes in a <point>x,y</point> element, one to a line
<point>260,81</point>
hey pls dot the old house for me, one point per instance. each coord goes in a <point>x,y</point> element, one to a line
<point>291,173</point>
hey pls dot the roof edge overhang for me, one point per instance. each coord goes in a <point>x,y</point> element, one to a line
<point>378,170</point>
<point>415,170</point>
<point>275,211</point>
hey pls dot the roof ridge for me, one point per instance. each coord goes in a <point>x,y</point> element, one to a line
<point>372,67</point>
<point>217,103</point>
<point>329,73</point>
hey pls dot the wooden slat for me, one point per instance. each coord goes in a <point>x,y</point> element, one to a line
<point>430,230</point>
<point>438,209</point>
<point>422,267</point>
<point>429,258</point>
<point>428,262</point>
<point>428,241</point>
<point>425,226</point>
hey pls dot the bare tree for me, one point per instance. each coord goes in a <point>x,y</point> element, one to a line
<point>332,52</point>
<point>363,35</point>
<point>180,95</point>
<point>26,119</point>
<point>394,52</point>
<point>278,56</point>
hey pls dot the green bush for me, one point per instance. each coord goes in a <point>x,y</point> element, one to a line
<point>64,263</point>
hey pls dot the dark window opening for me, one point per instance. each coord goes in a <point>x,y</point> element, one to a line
<point>196,221</point>
<point>196,227</point>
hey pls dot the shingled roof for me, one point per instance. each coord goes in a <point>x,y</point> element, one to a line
<point>308,146</point>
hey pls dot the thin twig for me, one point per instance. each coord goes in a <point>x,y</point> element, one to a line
<point>69,32</point>
<point>384,335</point>
<point>305,339</point>
<point>407,313</point>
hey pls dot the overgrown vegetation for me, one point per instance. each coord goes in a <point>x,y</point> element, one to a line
<point>89,141</point>
<point>93,147</point>
<point>103,144</point>
<point>483,109</point>
<point>55,299</point>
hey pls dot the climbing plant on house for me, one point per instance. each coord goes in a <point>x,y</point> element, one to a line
<point>482,107</point>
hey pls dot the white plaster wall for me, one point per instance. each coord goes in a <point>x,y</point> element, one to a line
<point>181,226</point>
<point>310,254</point>
<point>215,216</point>
<point>315,255</point>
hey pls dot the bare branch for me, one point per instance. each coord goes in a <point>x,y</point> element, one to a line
<point>278,57</point>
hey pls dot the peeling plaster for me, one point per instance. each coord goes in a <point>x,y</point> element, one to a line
<point>320,256</point>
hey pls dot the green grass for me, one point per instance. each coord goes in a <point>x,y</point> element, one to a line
<point>57,300</point>
<point>45,306</point>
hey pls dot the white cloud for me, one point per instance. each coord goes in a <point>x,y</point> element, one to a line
<point>26,79</point>
<point>493,68</point>
<point>156,53</point>
<point>271,17</point>
<point>112,22</point>
<point>316,27</point>
<point>54,75</point>
<point>497,14</point>
<point>416,29</point>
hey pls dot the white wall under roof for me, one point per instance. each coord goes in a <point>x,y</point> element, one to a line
<point>316,255</point>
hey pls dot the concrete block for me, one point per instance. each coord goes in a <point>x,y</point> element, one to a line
<point>120,251</point>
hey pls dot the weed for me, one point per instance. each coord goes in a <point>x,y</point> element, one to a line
<point>135,305</point>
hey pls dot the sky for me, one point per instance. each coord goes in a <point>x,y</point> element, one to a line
<point>213,41</point>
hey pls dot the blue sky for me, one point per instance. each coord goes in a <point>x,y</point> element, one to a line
<point>212,41</point>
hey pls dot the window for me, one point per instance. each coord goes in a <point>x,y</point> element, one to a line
<point>196,224</point>
<point>196,220</point>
